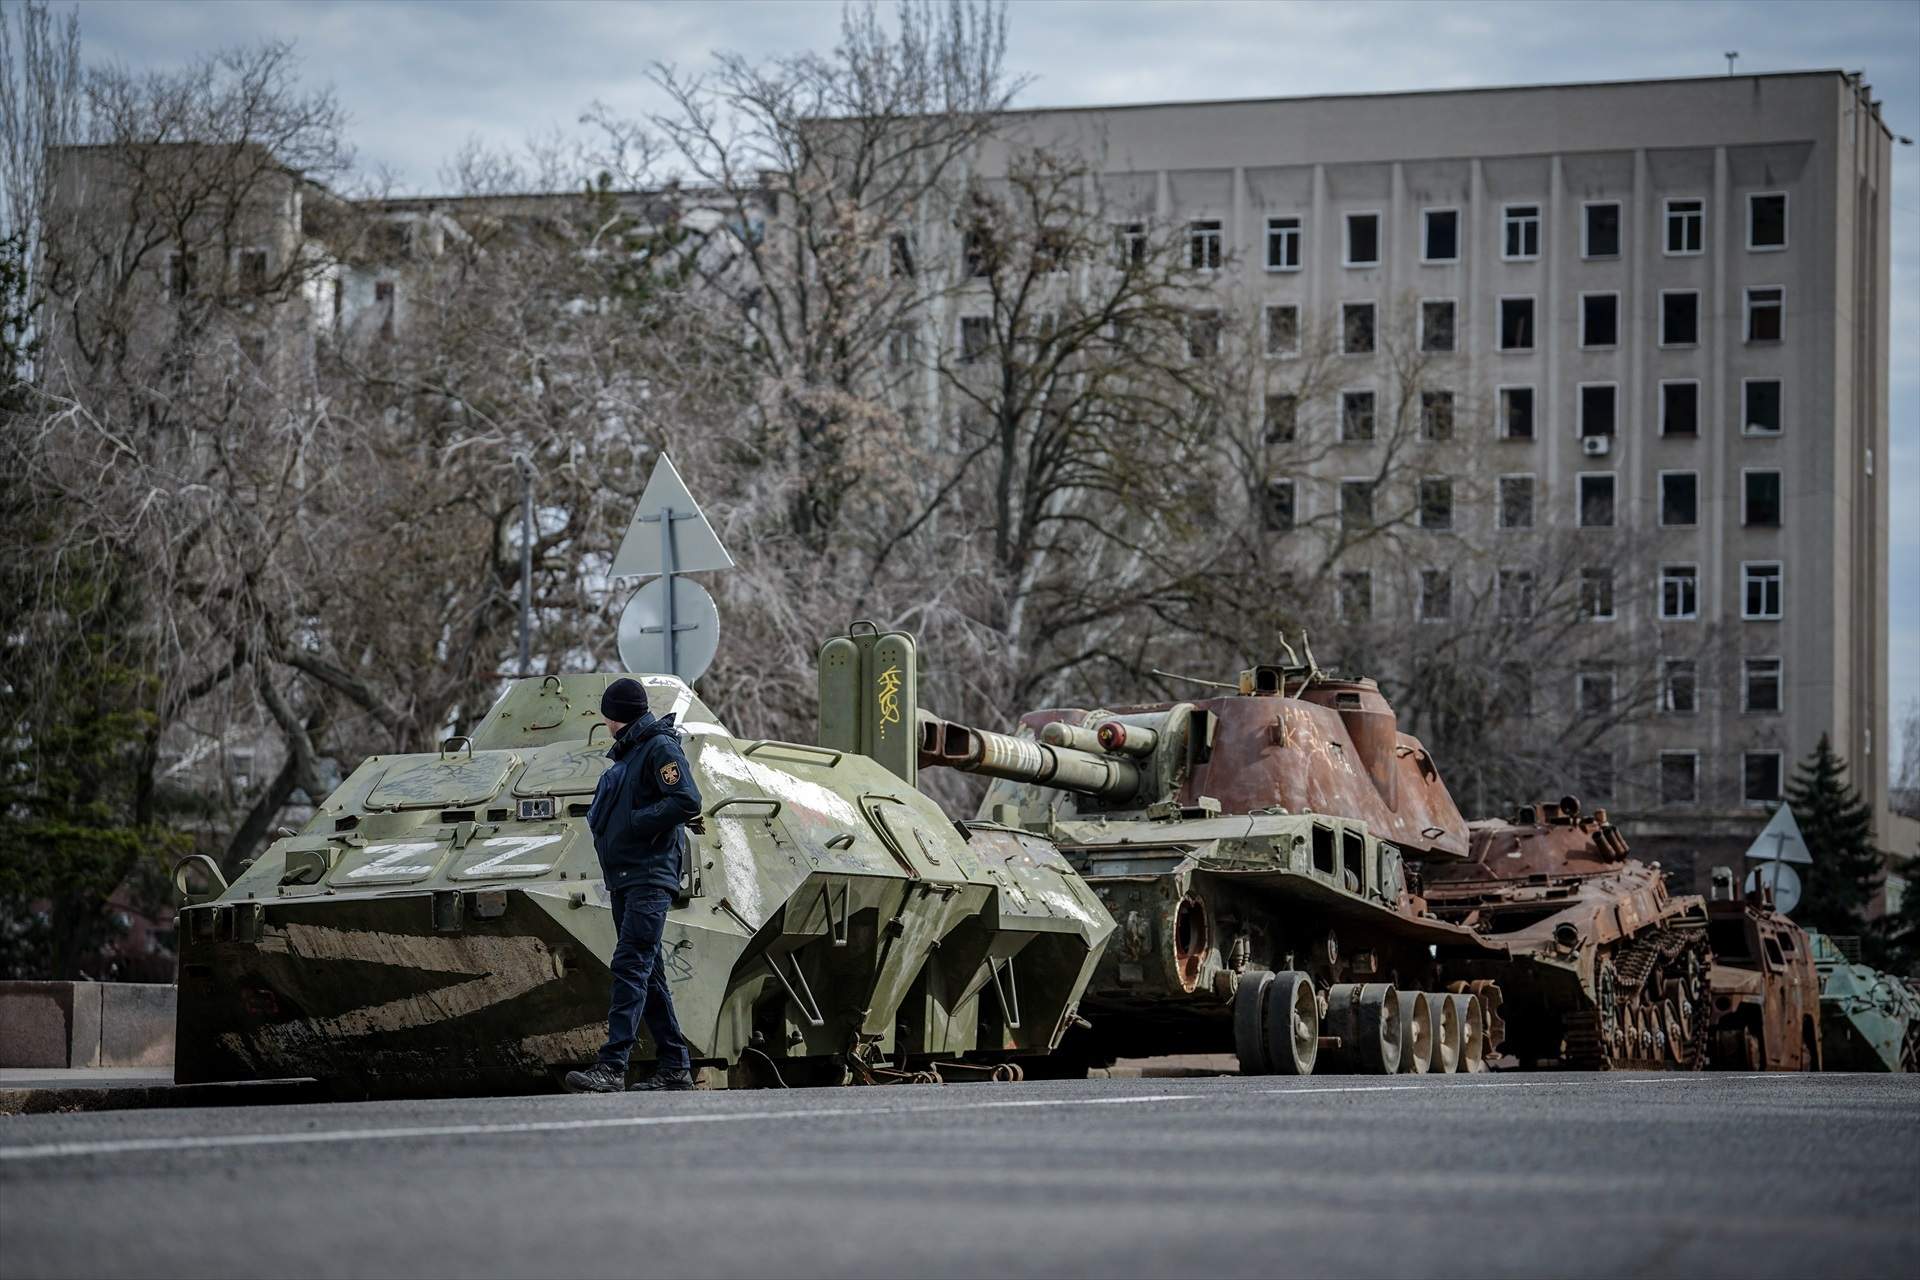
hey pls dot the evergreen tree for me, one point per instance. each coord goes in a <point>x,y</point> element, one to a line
<point>1838,826</point>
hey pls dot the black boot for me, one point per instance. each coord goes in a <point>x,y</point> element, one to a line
<point>601,1077</point>
<point>664,1080</point>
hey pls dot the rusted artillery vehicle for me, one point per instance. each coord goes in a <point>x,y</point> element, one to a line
<point>1765,1010</point>
<point>1601,967</point>
<point>1253,847</point>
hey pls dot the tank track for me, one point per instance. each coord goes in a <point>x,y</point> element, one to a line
<point>1650,1014</point>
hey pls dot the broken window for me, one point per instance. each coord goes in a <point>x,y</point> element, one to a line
<point>1596,594</point>
<point>1680,686</point>
<point>1597,401</point>
<point>1679,499</point>
<point>1761,416</point>
<point>1516,324</point>
<point>1760,774</point>
<point>1283,244</point>
<point>1679,408</point>
<point>1363,239</point>
<point>1679,318</point>
<point>1280,505</point>
<point>1599,319</point>
<point>1357,328</point>
<point>1679,777</point>
<point>1283,330</point>
<point>900,255</point>
<point>1437,326</point>
<point>1203,245</point>
<point>1516,502</point>
<point>1522,231</point>
<point>1767,220</point>
<point>1760,685</point>
<point>1596,499</point>
<point>976,335</point>
<point>1436,502</point>
<point>1766,314</point>
<point>1436,415</point>
<point>1356,415</point>
<point>1679,591</point>
<point>1441,239</point>
<point>1600,233</point>
<point>1760,506</point>
<point>1760,594</point>
<point>1283,415</point>
<point>1355,595</point>
<point>1516,413</point>
<point>1514,588</point>
<point>1686,226</point>
<point>1436,595</point>
<point>1356,504</point>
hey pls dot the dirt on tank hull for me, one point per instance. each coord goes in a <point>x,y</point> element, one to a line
<point>1600,965</point>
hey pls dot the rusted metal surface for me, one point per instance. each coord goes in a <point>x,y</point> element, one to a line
<point>1766,990</point>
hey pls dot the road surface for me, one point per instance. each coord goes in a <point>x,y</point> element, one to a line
<point>1470,1176</point>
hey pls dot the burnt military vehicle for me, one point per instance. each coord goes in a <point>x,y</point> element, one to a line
<point>440,926</point>
<point>1765,1010</point>
<point>1600,966</point>
<point>1254,848</point>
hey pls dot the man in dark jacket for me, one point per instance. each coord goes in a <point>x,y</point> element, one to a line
<point>644,799</point>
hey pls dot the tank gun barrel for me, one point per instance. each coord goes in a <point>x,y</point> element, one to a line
<point>1000,755</point>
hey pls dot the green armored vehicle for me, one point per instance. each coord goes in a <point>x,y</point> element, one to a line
<point>1256,850</point>
<point>440,926</point>
<point>1869,1020</point>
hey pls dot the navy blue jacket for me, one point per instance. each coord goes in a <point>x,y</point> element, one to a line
<point>643,799</point>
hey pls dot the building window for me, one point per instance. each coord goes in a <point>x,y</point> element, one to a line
<point>976,335</point>
<point>1279,505</point>
<point>1052,250</point>
<point>900,255</point>
<point>899,347</point>
<point>1357,328</point>
<point>1686,227</point>
<point>383,301</point>
<point>978,250</point>
<point>1516,502</point>
<point>1760,412</point>
<point>1760,685</point>
<point>1760,590</point>
<point>1437,325</point>
<point>1599,319</point>
<point>1600,230</point>
<point>1356,504</point>
<point>1440,241</point>
<point>1593,692</point>
<point>1516,324</point>
<point>1283,330</point>
<point>1597,403</point>
<point>1767,220</point>
<point>1760,771</point>
<point>1679,499</point>
<point>1680,686</point>
<point>1679,591</point>
<point>1521,230</point>
<point>1436,595</point>
<point>1203,245</point>
<point>250,270</point>
<point>1514,589</point>
<point>1766,314</point>
<point>181,272</point>
<point>1679,318</point>
<point>1679,777</point>
<point>1356,415</point>
<point>1516,413</point>
<point>1203,334</point>
<point>1436,415</point>
<point>1363,239</point>
<point>1596,594</point>
<point>1680,408</point>
<point>1283,244</point>
<point>1596,499</point>
<point>1130,244</point>
<point>1760,504</point>
<point>1436,503</point>
<point>1283,417</point>
<point>1594,771</point>
<point>1354,595</point>
<point>1515,689</point>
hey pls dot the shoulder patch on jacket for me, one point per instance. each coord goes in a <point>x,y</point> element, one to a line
<point>670,773</point>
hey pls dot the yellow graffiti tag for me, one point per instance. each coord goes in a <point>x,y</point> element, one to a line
<point>888,695</point>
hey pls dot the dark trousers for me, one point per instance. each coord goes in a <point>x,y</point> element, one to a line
<point>640,981</point>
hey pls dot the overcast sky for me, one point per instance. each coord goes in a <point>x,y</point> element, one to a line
<point>419,79</point>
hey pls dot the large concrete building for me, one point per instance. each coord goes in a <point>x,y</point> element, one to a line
<point>1663,306</point>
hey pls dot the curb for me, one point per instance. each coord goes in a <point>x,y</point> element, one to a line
<point>44,1101</point>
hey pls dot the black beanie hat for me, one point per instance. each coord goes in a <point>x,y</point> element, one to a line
<point>624,700</point>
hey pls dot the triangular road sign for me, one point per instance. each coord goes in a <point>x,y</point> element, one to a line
<point>690,547</point>
<point>1780,840</point>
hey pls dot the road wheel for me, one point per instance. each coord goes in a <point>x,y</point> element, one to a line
<point>1378,1021</point>
<point>1249,1024</point>
<point>1292,1024</point>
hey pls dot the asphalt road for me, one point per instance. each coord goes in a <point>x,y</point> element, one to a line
<point>1466,1176</point>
